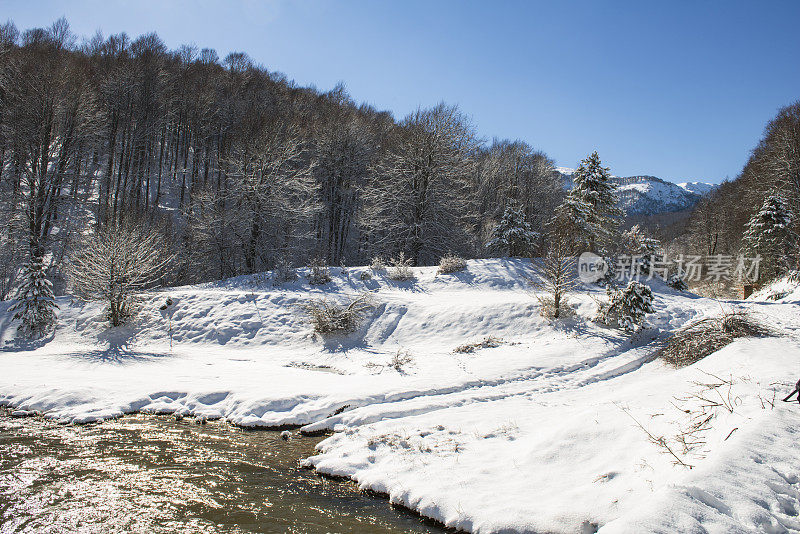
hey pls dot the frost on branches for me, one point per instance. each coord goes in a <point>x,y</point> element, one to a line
<point>769,234</point>
<point>117,263</point>
<point>36,304</point>
<point>556,276</point>
<point>627,307</point>
<point>513,235</point>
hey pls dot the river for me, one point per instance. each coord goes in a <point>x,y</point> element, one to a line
<point>153,474</point>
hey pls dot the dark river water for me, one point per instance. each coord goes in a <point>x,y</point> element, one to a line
<point>154,475</point>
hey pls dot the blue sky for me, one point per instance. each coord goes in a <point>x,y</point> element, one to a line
<point>681,90</point>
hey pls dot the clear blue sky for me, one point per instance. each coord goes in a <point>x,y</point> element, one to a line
<point>681,90</point>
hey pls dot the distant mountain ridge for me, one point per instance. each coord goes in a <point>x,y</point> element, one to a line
<point>650,195</point>
<point>700,188</point>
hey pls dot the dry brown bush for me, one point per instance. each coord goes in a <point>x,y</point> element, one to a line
<point>697,340</point>
<point>489,342</point>
<point>337,318</point>
<point>400,268</point>
<point>451,264</point>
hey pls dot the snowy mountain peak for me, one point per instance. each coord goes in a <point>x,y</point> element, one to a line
<point>700,188</point>
<point>650,195</point>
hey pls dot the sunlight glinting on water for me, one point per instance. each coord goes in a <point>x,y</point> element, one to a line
<point>154,474</point>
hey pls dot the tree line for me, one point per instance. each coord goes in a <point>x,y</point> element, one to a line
<point>757,212</point>
<point>238,168</point>
<point>124,164</point>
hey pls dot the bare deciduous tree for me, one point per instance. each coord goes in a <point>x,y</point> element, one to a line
<point>421,199</point>
<point>116,263</point>
<point>514,173</point>
<point>273,192</point>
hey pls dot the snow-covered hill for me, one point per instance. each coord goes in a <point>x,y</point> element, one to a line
<point>649,195</point>
<point>699,188</point>
<point>555,427</point>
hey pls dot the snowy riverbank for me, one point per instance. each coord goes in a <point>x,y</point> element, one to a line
<point>547,432</point>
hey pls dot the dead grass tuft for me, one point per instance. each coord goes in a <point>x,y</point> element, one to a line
<point>697,340</point>
<point>400,268</point>
<point>489,342</point>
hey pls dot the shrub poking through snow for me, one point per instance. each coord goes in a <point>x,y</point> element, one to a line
<point>697,340</point>
<point>377,264</point>
<point>398,362</point>
<point>318,272</point>
<point>489,342</point>
<point>451,263</point>
<point>400,359</point>
<point>284,273</point>
<point>777,295</point>
<point>36,306</point>
<point>337,318</point>
<point>627,307</point>
<point>400,268</point>
<point>548,308</point>
<point>365,275</point>
<point>677,282</point>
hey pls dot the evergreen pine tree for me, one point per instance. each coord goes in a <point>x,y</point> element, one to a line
<point>769,234</point>
<point>513,235</point>
<point>677,282</point>
<point>627,307</point>
<point>36,304</point>
<point>591,205</point>
<point>573,219</point>
<point>647,249</point>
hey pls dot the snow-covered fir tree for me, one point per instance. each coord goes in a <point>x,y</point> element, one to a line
<point>513,235</point>
<point>36,305</point>
<point>627,307</point>
<point>591,205</point>
<point>677,282</point>
<point>769,234</point>
<point>646,249</point>
<point>572,220</point>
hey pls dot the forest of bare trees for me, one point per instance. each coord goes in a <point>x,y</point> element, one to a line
<point>235,166</point>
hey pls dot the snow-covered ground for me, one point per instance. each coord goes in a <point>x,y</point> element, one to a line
<point>564,427</point>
